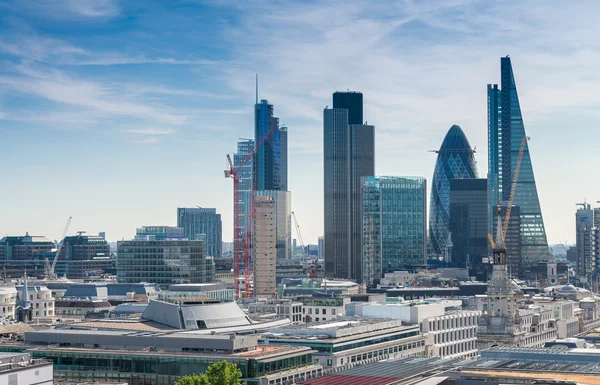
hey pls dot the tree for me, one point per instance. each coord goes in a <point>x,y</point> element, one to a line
<point>219,373</point>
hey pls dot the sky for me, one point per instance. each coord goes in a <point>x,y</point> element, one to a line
<point>116,112</point>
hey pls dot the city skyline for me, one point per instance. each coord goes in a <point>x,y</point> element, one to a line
<point>120,119</point>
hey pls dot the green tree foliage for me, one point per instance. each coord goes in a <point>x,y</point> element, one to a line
<point>219,373</point>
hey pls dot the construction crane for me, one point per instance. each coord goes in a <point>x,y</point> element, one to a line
<point>241,243</point>
<point>513,188</point>
<point>311,269</point>
<point>50,270</point>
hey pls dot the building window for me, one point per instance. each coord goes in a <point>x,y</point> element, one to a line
<point>333,311</point>
<point>324,311</point>
<point>317,311</point>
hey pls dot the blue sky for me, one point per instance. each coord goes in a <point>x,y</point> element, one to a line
<point>118,112</point>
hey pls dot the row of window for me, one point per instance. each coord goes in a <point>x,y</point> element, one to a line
<point>383,352</point>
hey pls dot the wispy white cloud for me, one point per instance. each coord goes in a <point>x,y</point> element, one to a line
<point>71,9</point>
<point>152,131</point>
<point>56,86</point>
<point>30,45</point>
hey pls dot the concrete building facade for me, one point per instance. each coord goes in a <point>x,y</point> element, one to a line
<point>265,246</point>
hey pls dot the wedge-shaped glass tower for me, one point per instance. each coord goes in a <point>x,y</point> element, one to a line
<point>505,133</point>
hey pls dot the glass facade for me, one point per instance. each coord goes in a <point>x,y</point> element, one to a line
<point>197,221</point>
<point>164,262</point>
<point>138,368</point>
<point>469,225</point>
<point>394,211</point>
<point>270,159</point>
<point>455,160</point>
<point>349,154</point>
<point>505,133</point>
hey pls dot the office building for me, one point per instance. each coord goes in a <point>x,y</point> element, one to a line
<point>28,252</point>
<point>164,262</point>
<point>197,221</point>
<point>505,133</point>
<point>283,220</point>
<point>351,101</point>
<point>244,151</point>
<point>349,154</point>
<point>455,160</point>
<point>265,246</point>
<point>159,233</point>
<point>270,158</point>
<point>175,338</point>
<point>469,225</point>
<point>351,340</point>
<point>394,220</point>
<point>17,368</point>
<point>450,331</point>
<point>321,249</point>
<point>512,242</point>
<point>83,255</point>
<point>585,240</point>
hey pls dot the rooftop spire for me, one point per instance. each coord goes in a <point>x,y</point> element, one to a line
<point>499,241</point>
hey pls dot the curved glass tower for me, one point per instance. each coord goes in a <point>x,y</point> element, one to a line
<point>455,161</point>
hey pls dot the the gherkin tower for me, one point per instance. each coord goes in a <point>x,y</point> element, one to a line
<point>455,160</point>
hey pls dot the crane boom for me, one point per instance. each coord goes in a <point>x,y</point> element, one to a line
<point>51,270</point>
<point>513,188</point>
<point>241,242</point>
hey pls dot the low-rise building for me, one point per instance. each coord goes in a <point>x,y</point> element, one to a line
<point>8,301</point>
<point>563,312</point>
<point>323,307</point>
<point>40,298</point>
<point>351,340</point>
<point>216,290</point>
<point>20,369</point>
<point>81,308</point>
<point>278,308</point>
<point>449,331</point>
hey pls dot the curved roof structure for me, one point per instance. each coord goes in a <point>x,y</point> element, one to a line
<point>455,160</point>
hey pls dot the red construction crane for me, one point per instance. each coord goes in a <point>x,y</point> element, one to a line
<point>241,242</point>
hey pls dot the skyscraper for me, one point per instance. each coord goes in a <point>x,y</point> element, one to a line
<point>265,239</point>
<point>505,133</point>
<point>351,101</point>
<point>270,159</point>
<point>394,220</point>
<point>585,240</point>
<point>468,224</point>
<point>349,154</point>
<point>196,221</point>
<point>455,160</point>
<point>282,201</point>
<point>244,148</point>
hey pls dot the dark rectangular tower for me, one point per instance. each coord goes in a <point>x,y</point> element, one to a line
<point>469,224</point>
<point>351,101</point>
<point>349,154</point>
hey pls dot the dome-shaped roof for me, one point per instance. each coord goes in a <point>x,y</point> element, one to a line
<point>455,160</point>
<point>568,288</point>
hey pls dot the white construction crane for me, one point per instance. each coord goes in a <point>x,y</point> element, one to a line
<point>50,270</point>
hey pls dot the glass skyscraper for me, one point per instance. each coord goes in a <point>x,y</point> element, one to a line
<point>394,212</point>
<point>197,221</point>
<point>455,160</point>
<point>349,154</point>
<point>270,159</point>
<point>469,225</point>
<point>505,133</point>
<point>244,147</point>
